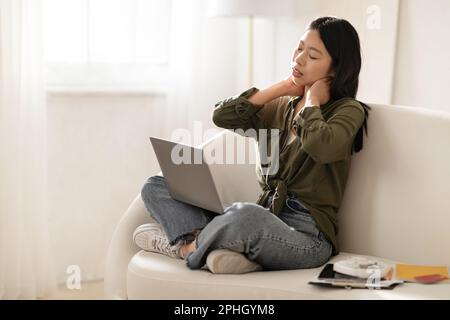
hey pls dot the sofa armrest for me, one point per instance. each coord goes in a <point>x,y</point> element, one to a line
<point>122,248</point>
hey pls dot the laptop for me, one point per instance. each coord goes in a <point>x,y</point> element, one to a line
<point>193,180</point>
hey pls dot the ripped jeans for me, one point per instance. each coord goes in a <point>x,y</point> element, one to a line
<point>290,240</point>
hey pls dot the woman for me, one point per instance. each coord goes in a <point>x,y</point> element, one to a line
<point>293,225</point>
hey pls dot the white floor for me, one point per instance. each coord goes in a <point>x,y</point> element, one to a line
<point>88,291</point>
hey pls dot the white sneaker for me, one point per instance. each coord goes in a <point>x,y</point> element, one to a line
<point>150,237</point>
<point>231,262</point>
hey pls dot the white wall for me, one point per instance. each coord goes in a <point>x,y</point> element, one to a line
<point>99,157</point>
<point>423,54</point>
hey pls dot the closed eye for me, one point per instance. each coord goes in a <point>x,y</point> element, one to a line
<point>300,49</point>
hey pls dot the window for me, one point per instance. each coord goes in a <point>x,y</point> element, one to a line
<point>106,44</point>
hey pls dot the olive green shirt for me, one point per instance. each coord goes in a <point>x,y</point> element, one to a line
<point>314,166</point>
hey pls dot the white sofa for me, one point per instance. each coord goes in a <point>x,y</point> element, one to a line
<point>396,208</point>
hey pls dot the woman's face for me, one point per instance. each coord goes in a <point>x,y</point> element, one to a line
<point>311,58</point>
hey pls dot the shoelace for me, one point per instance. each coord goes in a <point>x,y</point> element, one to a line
<point>162,245</point>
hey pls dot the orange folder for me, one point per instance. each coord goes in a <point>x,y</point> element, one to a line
<point>408,272</point>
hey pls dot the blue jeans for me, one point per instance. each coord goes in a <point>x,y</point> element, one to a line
<point>290,240</point>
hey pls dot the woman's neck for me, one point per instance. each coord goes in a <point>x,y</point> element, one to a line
<point>299,106</point>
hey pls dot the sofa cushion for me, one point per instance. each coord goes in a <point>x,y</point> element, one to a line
<point>155,276</point>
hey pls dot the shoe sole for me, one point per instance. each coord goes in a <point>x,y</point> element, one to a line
<point>146,227</point>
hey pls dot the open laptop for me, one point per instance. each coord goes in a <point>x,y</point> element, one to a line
<point>209,186</point>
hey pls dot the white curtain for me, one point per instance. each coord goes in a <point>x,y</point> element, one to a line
<point>26,270</point>
<point>203,57</point>
<point>184,47</point>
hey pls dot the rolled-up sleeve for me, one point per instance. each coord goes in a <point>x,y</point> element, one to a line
<point>331,140</point>
<point>237,112</point>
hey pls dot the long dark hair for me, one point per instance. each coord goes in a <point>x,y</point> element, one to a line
<point>342,42</point>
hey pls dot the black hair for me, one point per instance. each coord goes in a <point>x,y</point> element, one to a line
<point>342,43</point>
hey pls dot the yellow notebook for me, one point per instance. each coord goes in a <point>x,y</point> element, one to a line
<point>408,272</point>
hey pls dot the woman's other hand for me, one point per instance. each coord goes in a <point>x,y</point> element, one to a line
<point>291,89</point>
<point>282,88</point>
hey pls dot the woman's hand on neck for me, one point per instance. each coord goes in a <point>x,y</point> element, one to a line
<point>319,93</point>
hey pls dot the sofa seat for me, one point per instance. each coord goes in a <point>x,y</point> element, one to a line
<point>155,276</point>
